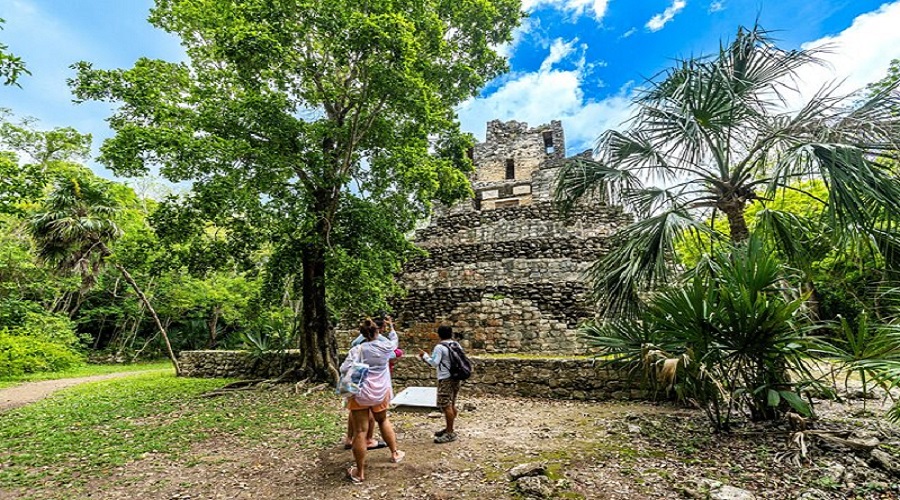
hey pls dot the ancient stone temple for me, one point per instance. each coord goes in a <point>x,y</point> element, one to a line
<point>504,269</point>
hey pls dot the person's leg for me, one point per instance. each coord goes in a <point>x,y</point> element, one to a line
<point>370,436</point>
<point>446,401</point>
<point>360,420</point>
<point>450,416</point>
<point>348,439</point>
<point>451,412</point>
<point>387,433</point>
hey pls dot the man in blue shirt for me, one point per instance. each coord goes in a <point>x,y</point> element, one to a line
<point>447,387</point>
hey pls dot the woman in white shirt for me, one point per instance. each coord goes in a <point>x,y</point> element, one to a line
<point>375,394</point>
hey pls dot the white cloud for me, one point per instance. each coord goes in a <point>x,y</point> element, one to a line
<point>551,94</point>
<point>716,6</point>
<point>658,21</point>
<point>576,7</point>
<point>629,33</point>
<point>856,56</point>
<point>559,50</point>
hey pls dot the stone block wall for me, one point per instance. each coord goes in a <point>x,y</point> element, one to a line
<point>581,379</point>
<point>507,280</point>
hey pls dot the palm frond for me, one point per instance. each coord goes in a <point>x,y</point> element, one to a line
<point>581,178</point>
<point>78,214</point>
<point>642,257</point>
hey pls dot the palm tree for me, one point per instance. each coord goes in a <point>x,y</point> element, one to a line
<point>716,133</point>
<point>73,230</point>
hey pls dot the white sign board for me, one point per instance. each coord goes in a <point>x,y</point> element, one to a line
<point>423,397</point>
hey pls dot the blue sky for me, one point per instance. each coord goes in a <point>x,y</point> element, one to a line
<point>574,60</point>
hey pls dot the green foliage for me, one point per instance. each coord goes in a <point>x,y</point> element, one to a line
<point>33,340</point>
<point>28,319</point>
<point>22,354</point>
<point>274,330</point>
<point>11,66</point>
<point>889,81</point>
<point>798,204</point>
<point>726,337</point>
<point>863,348</point>
<point>291,117</point>
<point>32,159</point>
<point>76,218</point>
<point>205,306</point>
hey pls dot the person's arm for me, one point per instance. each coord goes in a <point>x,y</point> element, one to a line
<point>392,335</point>
<point>352,356</point>
<point>436,356</point>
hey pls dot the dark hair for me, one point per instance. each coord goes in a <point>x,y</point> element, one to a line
<point>379,322</point>
<point>445,332</point>
<point>368,329</point>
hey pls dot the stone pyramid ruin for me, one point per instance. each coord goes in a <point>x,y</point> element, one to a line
<point>504,269</point>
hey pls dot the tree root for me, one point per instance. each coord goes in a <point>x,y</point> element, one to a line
<point>250,385</point>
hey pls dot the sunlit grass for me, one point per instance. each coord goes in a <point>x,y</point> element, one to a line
<point>85,371</point>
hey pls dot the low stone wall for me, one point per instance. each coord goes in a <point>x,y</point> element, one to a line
<point>236,364</point>
<point>581,379</point>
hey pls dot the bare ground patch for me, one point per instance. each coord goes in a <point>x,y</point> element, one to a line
<point>592,450</point>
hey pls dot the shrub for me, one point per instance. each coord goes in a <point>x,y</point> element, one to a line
<point>726,338</point>
<point>33,340</point>
<point>21,354</point>
<point>27,319</point>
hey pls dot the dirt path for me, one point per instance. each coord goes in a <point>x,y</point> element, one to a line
<point>498,434</point>
<point>592,450</point>
<point>30,392</point>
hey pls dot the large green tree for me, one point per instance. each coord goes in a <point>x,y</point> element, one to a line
<point>292,112</point>
<point>714,136</point>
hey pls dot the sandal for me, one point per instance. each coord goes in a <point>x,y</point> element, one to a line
<point>399,457</point>
<point>353,477</point>
<point>378,445</point>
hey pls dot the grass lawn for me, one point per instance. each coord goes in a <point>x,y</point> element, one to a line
<point>83,432</point>
<point>84,371</point>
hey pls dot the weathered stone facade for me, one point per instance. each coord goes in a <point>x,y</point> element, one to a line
<point>506,270</point>
<point>547,378</point>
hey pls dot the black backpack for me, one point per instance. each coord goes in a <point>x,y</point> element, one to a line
<point>460,366</point>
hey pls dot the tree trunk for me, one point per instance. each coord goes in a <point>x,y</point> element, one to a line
<point>317,342</point>
<point>213,324</point>
<point>140,294</point>
<point>734,210</point>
